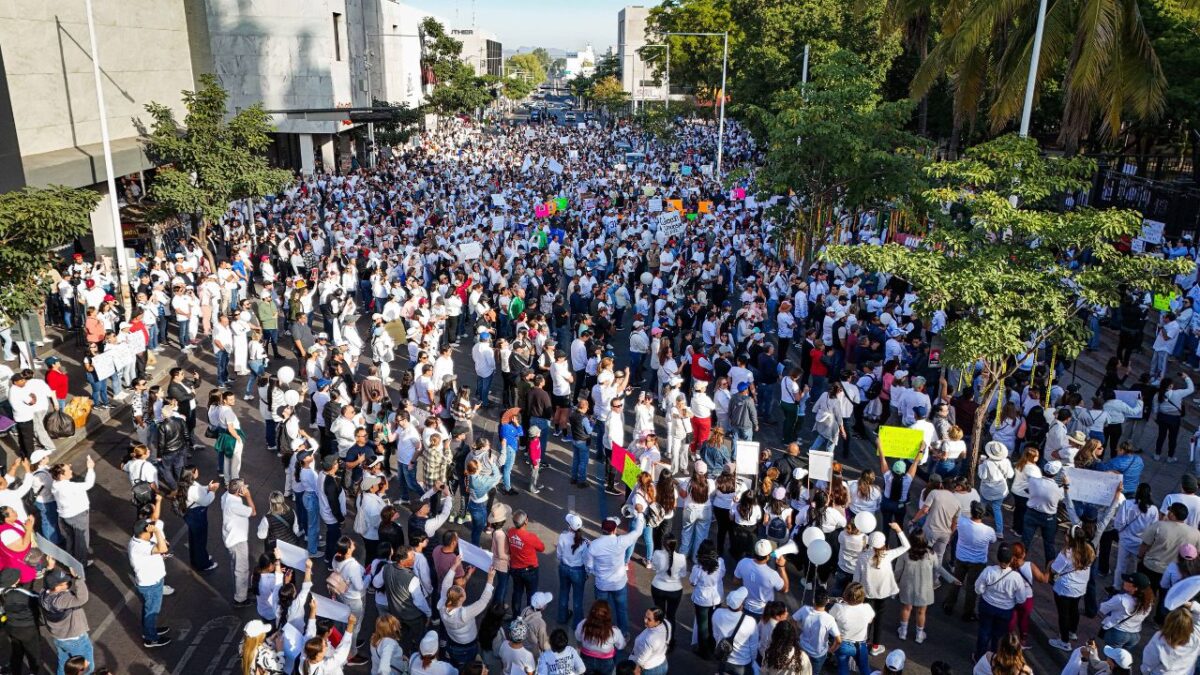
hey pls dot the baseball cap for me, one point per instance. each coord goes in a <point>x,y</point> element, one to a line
<point>369,481</point>
<point>517,630</point>
<point>429,644</point>
<point>743,386</point>
<point>895,660</point>
<point>57,577</point>
<point>42,453</point>
<point>1119,656</point>
<point>574,521</point>
<point>610,525</point>
<point>256,628</point>
<point>51,361</point>
<point>898,466</point>
<point>1138,579</point>
<point>1187,551</point>
<point>736,597</point>
<point>762,548</point>
<point>540,599</point>
<point>1052,467</point>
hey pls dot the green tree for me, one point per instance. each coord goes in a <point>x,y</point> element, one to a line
<point>695,60</point>
<point>609,95</point>
<point>34,222</point>
<point>439,52</point>
<point>462,92</point>
<point>398,131</point>
<point>838,145</point>
<point>1000,276</point>
<point>530,66</point>
<point>543,57</point>
<point>210,161</point>
<point>1111,70</point>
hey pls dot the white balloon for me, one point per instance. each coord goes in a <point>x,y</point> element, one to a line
<point>865,522</point>
<point>810,535</point>
<point>286,375</point>
<point>819,552</point>
<point>291,397</point>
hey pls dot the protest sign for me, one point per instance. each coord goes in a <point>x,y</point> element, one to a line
<point>656,205</point>
<point>704,207</point>
<point>676,204</point>
<point>745,457</point>
<point>60,556</point>
<point>573,154</point>
<point>1138,245</point>
<point>137,342</point>
<point>498,200</point>
<point>541,211</point>
<point>470,250</point>
<point>820,465</point>
<point>581,126</point>
<point>751,203</point>
<point>739,193</point>
<point>900,443</point>
<point>1093,487</point>
<point>474,556</point>
<point>564,140</point>
<point>561,204</point>
<point>1131,398</point>
<point>291,555</point>
<point>105,365</point>
<point>331,609</point>
<point>630,473</point>
<point>554,167</point>
<point>685,170</point>
<point>670,224</point>
<point>526,164</point>
<point>1162,302</point>
<point>706,170</point>
<point>497,223</point>
<point>1152,231</point>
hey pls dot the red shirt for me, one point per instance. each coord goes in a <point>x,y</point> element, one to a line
<point>523,547</point>
<point>58,382</point>
<point>817,368</point>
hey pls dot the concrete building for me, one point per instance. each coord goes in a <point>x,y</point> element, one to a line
<point>393,51</point>
<point>581,63</point>
<point>481,50</point>
<point>637,77</point>
<point>49,120</point>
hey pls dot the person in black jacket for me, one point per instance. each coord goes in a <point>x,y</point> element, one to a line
<point>172,443</point>
<point>182,389</point>
<point>20,623</point>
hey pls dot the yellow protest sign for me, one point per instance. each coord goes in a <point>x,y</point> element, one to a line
<point>676,204</point>
<point>900,443</point>
<point>705,207</point>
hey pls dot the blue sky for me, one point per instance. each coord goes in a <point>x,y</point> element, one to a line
<point>565,24</point>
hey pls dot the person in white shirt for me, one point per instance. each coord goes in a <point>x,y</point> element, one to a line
<point>970,557</point>
<point>1041,513</point>
<point>650,646</point>
<point>1001,587</point>
<point>74,509</point>
<point>739,627</point>
<point>146,550</point>
<point>237,508</point>
<point>819,633</point>
<point>14,497</point>
<point>458,618</point>
<point>1164,345</point>
<point>484,358</point>
<point>608,566</point>
<point>561,658</point>
<point>222,342</point>
<point>42,484</point>
<point>1072,570</point>
<point>760,581</point>
<point>853,616</point>
<point>666,589</point>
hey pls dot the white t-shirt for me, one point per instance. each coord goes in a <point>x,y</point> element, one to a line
<point>760,581</point>
<point>852,620</point>
<point>817,630</point>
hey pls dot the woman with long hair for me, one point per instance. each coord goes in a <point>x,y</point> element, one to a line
<point>640,499</point>
<point>1025,470</point>
<point>192,499</point>
<point>864,494</point>
<point>723,501</point>
<point>670,569</point>
<point>1072,568</point>
<point>1131,520</point>
<point>1030,572</point>
<point>914,574</point>
<point>458,617</point>
<point>571,552</point>
<point>386,655</point>
<point>665,499</point>
<point>262,650</point>
<point>874,571</point>
<point>266,580</point>
<point>1168,414</point>
<point>829,520</point>
<point>1010,428</point>
<point>747,516</point>
<point>1176,646</point>
<point>599,640</point>
<point>696,508</point>
<point>1008,659</point>
<point>351,570</point>
<point>783,655</point>
<point>707,579</point>
<point>1121,616</point>
<point>715,450</point>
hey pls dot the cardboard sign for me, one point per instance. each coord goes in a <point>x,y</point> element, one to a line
<point>676,204</point>
<point>671,225</point>
<point>900,443</point>
<point>1152,231</point>
<point>745,457</point>
<point>470,250</point>
<point>497,223</point>
<point>331,609</point>
<point>60,556</point>
<point>629,475</point>
<point>820,465</point>
<point>1093,487</point>
<point>573,154</point>
<point>1131,398</point>
<point>474,556</point>
<point>656,205</point>
<point>291,555</point>
<point>1138,245</point>
<point>526,164</point>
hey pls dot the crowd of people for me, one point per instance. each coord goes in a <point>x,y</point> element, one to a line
<point>342,312</point>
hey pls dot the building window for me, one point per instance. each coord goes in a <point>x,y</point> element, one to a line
<point>337,36</point>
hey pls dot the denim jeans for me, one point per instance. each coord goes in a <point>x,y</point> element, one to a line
<point>152,596</point>
<point>312,511</point>
<point>184,333</point>
<point>818,662</point>
<point>1121,639</point>
<point>197,524</point>
<point>460,655</point>
<point>525,584</point>
<point>853,651</point>
<point>258,367</point>
<point>743,434</point>
<point>483,389</point>
<point>1046,523</point>
<point>500,586</point>
<point>657,670</point>
<point>152,331</point>
<point>333,532</point>
<point>222,368</point>
<point>993,624</point>
<point>510,456</point>
<point>478,513</point>
<point>78,646</point>
<point>997,508</point>
<point>599,666</point>
<point>618,602</point>
<point>48,521</point>
<point>579,461</point>
<point>408,480</point>
<point>693,534</point>
<point>570,590</point>
<point>99,390</point>
<point>767,396</point>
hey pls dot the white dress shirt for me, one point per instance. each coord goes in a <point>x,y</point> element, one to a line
<point>72,497</point>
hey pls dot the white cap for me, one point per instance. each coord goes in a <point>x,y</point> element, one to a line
<point>701,467</point>
<point>799,473</point>
<point>1119,656</point>
<point>1052,467</point>
<point>38,455</point>
<point>895,660</point>
<point>735,598</point>
<point>540,599</point>
<point>877,540</point>
<point>574,521</point>
<point>429,644</point>
<point>762,548</point>
<point>779,493</point>
<point>256,628</point>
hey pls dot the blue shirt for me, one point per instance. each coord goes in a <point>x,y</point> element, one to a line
<point>1130,467</point>
<point>509,433</point>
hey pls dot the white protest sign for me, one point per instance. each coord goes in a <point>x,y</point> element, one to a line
<point>581,126</point>
<point>1093,487</point>
<point>418,417</point>
<point>656,205</point>
<point>745,457</point>
<point>1132,398</point>
<point>291,555</point>
<point>555,166</point>
<point>60,556</point>
<point>529,134</point>
<point>497,223</point>
<point>105,364</point>
<point>621,167</point>
<point>1138,245</point>
<point>475,556</point>
<point>671,225</point>
<point>573,154</point>
<point>1152,231</point>
<point>706,169</point>
<point>470,250</point>
<point>525,164</point>
<point>751,203</point>
<point>331,609</point>
<point>564,140</point>
<point>137,342</point>
<point>498,200</point>
<point>820,465</point>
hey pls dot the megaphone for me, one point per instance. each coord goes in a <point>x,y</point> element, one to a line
<point>786,549</point>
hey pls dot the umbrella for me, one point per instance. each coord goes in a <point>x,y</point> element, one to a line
<point>509,415</point>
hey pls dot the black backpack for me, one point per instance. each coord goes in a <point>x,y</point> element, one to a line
<point>875,389</point>
<point>143,493</point>
<point>1036,426</point>
<point>777,529</point>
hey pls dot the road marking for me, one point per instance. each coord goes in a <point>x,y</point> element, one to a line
<point>230,634</point>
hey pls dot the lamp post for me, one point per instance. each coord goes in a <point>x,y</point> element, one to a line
<point>724,69</point>
<point>1031,80</point>
<point>122,267</point>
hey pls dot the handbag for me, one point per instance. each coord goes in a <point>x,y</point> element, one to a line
<point>725,646</point>
<point>211,432</point>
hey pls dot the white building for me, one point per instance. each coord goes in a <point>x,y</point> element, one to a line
<point>580,63</point>
<point>394,51</point>
<point>637,76</point>
<point>481,50</point>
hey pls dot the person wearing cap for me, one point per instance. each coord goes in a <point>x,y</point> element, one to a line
<point>267,312</point>
<point>510,646</point>
<point>1112,660</point>
<point>874,572</point>
<point>425,661</point>
<point>571,551</point>
<point>639,347</point>
<point>743,415</point>
<point>61,605</point>
<point>331,499</point>
<point>264,647</point>
<point>31,398</point>
<point>146,550</point>
<point>759,580</point>
<point>995,472</point>
<point>1041,513</point>
<point>607,564</point>
<point>696,508</point>
<point>371,493</point>
<point>43,496</point>
<point>237,508</point>
<point>1122,615</point>
<point>58,380</point>
<point>893,664</point>
<point>733,623</point>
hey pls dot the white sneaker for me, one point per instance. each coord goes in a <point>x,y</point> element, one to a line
<point>168,590</point>
<point>876,650</point>
<point>920,635</point>
<point>1072,636</point>
<point>903,631</point>
<point>1059,644</point>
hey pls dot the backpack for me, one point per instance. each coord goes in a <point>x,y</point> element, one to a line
<point>143,493</point>
<point>777,529</point>
<point>336,584</point>
<point>1036,426</point>
<point>875,389</point>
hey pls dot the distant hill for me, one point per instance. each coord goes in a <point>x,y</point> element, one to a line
<point>555,52</point>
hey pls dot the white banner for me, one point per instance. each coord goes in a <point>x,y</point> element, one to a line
<point>105,364</point>
<point>498,200</point>
<point>291,555</point>
<point>820,465</point>
<point>1093,487</point>
<point>554,166</point>
<point>1152,231</point>
<point>656,205</point>
<point>332,609</point>
<point>475,556</point>
<point>745,457</point>
<point>671,225</point>
<point>470,250</point>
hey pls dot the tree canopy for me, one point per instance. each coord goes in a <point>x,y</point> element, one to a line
<point>34,222</point>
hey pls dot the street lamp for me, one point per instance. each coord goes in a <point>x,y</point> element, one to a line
<point>1031,80</point>
<point>724,68</point>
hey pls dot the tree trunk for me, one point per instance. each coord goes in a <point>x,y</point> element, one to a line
<point>202,238</point>
<point>981,415</point>
<point>923,107</point>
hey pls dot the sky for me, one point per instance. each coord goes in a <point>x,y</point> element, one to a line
<point>565,24</point>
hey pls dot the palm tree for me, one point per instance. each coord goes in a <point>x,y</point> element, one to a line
<point>1111,70</point>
